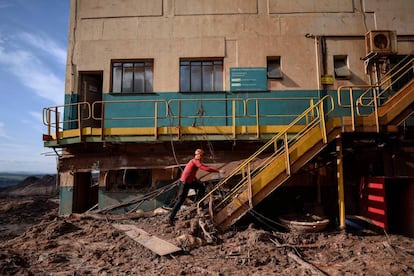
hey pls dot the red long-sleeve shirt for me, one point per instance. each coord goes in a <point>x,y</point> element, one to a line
<point>190,170</point>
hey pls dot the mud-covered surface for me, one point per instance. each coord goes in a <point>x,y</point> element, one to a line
<point>38,242</point>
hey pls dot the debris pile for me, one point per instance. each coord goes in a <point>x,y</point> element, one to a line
<point>36,241</point>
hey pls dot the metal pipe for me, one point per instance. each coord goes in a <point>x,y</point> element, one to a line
<point>340,178</point>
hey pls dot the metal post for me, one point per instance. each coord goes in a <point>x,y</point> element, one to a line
<point>285,140</point>
<point>103,121</point>
<point>179,120</point>
<point>57,124</point>
<point>80,121</point>
<point>156,120</point>
<point>257,119</point>
<point>340,177</point>
<point>233,115</point>
<point>249,183</point>
<point>351,103</point>
<point>376,108</point>
<point>323,123</point>
<point>48,118</point>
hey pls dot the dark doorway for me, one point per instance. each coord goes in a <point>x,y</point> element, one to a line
<point>85,192</point>
<point>90,87</point>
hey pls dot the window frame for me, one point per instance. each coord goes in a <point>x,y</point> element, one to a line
<point>200,66</point>
<point>147,82</point>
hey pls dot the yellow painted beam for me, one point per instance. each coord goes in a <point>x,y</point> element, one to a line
<point>187,130</point>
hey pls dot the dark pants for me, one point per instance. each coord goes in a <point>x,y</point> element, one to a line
<point>183,189</point>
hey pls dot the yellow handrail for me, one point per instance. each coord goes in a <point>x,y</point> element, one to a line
<point>238,109</point>
<point>103,104</point>
<point>201,101</point>
<point>57,123</point>
<point>388,81</point>
<point>374,99</point>
<point>246,165</point>
<point>351,101</point>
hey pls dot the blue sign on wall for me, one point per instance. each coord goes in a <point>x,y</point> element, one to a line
<point>248,79</point>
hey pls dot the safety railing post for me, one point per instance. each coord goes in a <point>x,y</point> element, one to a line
<point>57,124</point>
<point>103,121</point>
<point>179,120</point>
<point>233,114</point>
<point>312,112</point>
<point>285,140</point>
<point>351,102</point>
<point>257,119</point>
<point>79,116</point>
<point>156,120</point>
<point>376,109</point>
<point>49,123</point>
<point>249,185</point>
<point>323,123</point>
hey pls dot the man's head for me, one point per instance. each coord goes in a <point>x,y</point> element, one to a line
<point>199,153</point>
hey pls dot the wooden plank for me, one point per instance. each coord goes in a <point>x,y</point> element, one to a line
<point>155,244</point>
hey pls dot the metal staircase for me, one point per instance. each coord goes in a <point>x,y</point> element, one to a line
<point>269,167</point>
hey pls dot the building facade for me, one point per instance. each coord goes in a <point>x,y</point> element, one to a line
<point>149,81</point>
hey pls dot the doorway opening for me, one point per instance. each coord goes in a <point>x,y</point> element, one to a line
<point>90,90</point>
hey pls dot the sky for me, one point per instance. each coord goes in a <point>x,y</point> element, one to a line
<point>33,43</point>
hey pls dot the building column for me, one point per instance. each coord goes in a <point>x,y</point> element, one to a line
<point>66,185</point>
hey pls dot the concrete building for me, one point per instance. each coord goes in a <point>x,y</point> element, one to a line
<point>149,81</point>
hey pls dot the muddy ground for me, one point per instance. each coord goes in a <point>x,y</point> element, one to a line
<point>36,241</point>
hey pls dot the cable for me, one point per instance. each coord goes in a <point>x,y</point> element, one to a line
<point>171,138</point>
<point>262,217</point>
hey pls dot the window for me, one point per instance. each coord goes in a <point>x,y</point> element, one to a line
<point>201,75</point>
<point>274,70</point>
<point>132,76</point>
<point>341,67</point>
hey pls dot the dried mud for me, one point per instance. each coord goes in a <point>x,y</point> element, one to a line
<point>36,241</point>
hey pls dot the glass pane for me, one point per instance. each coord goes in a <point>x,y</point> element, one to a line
<point>139,78</point>
<point>185,78</point>
<point>116,79</point>
<point>127,78</point>
<point>208,77</point>
<point>148,79</point>
<point>218,77</point>
<point>196,77</point>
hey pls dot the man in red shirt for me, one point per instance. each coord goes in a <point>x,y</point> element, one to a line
<point>189,181</point>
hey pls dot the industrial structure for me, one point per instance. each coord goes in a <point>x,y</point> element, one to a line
<point>305,104</point>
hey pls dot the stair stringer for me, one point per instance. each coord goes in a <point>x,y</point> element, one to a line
<point>274,175</point>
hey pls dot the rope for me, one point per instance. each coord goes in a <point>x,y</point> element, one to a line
<point>171,139</point>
